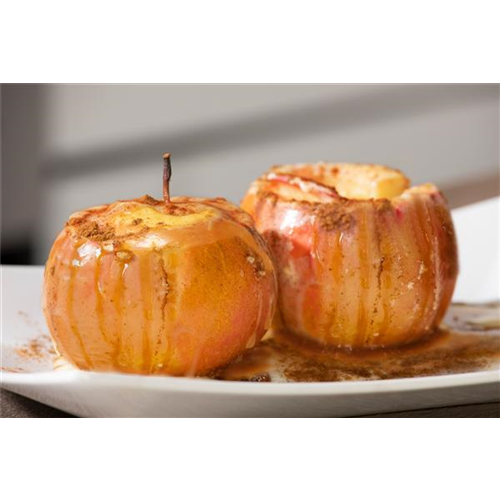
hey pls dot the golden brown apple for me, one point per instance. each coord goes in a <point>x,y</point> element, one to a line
<point>178,286</point>
<point>363,259</point>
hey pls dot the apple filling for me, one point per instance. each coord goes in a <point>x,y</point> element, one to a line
<point>322,180</point>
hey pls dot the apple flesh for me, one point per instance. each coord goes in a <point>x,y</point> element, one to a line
<point>363,260</point>
<point>149,287</point>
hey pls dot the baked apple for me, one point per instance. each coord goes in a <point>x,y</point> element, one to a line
<point>363,259</point>
<point>178,286</point>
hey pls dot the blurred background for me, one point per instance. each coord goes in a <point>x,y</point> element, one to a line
<point>66,147</point>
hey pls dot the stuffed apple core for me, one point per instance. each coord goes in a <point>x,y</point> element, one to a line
<point>364,260</point>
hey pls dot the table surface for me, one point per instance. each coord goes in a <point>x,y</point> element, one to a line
<point>13,405</point>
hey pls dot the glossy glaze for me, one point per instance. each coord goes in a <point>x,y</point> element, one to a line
<point>360,272</point>
<point>144,287</point>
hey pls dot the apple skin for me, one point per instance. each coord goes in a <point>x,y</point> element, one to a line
<point>145,287</point>
<point>356,273</point>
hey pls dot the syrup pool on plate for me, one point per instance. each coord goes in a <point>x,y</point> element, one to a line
<point>468,341</point>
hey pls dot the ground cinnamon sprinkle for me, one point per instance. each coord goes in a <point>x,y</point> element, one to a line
<point>37,348</point>
<point>92,230</point>
<point>331,217</point>
<point>12,370</point>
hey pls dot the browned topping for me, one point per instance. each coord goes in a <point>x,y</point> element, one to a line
<point>148,200</point>
<point>85,225</point>
<point>175,209</point>
<point>75,221</point>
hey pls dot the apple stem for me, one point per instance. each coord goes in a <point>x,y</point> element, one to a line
<point>167,173</point>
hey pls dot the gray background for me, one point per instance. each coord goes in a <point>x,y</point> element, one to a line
<point>66,147</point>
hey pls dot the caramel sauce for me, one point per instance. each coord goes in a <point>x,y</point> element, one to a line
<point>98,297</point>
<point>336,269</point>
<point>147,311</point>
<point>385,279</point>
<point>71,317</point>
<point>420,238</point>
<point>117,301</point>
<point>364,264</point>
<point>466,343</point>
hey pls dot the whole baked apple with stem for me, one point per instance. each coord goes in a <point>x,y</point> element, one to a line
<point>364,260</point>
<point>175,286</point>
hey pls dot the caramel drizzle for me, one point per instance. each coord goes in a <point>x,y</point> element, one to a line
<point>381,257</point>
<point>319,270</point>
<point>70,300</point>
<point>364,274</point>
<point>98,295</point>
<point>436,260</point>
<point>443,221</point>
<point>385,287</point>
<point>147,310</point>
<point>117,300</point>
<point>431,279</point>
<point>404,232</point>
<point>165,356</point>
<point>391,265</point>
<point>164,351</point>
<point>336,269</point>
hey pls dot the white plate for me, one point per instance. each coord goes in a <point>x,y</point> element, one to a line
<point>109,395</point>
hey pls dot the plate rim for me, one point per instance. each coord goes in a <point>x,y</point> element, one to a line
<point>207,386</point>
